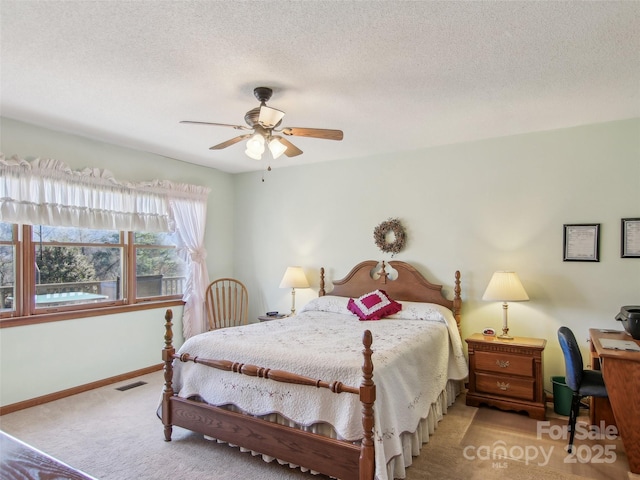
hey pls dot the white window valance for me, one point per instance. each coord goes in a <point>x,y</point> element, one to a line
<point>48,192</point>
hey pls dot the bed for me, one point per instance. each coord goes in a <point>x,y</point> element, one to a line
<point>303,389</point>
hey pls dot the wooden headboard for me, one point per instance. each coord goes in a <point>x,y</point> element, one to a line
<point>409,285</point>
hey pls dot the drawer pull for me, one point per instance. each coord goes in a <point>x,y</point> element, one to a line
<point>502,363</point>
<point>503,386</point>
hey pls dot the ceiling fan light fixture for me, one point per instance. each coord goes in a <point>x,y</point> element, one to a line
<point>254,155</point>
<point>269,117</point>
<point>277,148</point>
<point>255,146</point>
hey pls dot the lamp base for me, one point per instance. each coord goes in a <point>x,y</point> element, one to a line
<point>293,302</point>
<point>505,334</point>
<point>505,323</point>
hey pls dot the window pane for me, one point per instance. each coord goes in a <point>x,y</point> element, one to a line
<point>7,267</point>
<point>159,271</point>
<point>7,275</point>
<point>6,232</point>
<point>43,233</point>
<point>163,238</point>
<point>73,275</point>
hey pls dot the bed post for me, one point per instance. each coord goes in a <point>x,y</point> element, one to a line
<point>321,293</point>
<point>367,397</point>
<point>167,356</point>
<point>457,301</point>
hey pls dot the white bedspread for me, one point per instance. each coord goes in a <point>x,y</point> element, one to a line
<point>413,359</point>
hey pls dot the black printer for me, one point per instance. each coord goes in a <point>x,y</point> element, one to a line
<point>630,318</point>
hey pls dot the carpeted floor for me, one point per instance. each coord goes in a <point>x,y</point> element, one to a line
<point>116,435</point>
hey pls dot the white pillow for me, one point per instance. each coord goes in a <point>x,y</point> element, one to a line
<point>422,311</point>
<point>328,303</point>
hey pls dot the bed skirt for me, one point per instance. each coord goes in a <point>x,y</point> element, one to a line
<point>411,441</point>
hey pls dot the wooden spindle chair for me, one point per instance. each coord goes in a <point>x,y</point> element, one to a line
<point>226,303</point>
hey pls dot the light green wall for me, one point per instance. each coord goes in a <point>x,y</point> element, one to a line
<point>41,359</point>
<point>50,357</point>
<point>477,207</point>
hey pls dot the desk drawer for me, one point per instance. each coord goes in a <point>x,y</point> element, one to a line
<point>504,363</point>
<point>514,387</point>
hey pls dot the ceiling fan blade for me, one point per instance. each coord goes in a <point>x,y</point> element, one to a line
<point>237,127</point>
<point>228,143</point>
<point>291,150</point>
<point>314,132</point>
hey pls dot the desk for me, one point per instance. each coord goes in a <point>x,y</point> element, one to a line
<point>621,372</point>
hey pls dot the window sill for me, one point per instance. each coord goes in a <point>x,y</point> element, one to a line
<point>90,312</point>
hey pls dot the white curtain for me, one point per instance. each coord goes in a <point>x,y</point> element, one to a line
<point>190,215</point>
<point>48,192</point>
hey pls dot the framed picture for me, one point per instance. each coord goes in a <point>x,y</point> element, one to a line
<point>630,237</point>
<point>582,242</point>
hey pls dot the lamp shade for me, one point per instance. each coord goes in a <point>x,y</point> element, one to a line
<point>294,277</point>
<point>277,148</point>
<point>255,147</point>
<point>269,117</point>
<point>505,287</point>
<point>252,154</point>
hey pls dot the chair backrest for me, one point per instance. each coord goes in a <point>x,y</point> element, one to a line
<point>572,358</point>
<point>226,303</point>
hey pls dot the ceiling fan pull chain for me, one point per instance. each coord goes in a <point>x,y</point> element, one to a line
<point>268,170</point>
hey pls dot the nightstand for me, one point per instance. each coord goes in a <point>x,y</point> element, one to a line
<point>266,318</point>
<point>507,374</point>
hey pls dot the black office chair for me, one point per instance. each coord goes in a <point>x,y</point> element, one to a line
<point>583,383</point>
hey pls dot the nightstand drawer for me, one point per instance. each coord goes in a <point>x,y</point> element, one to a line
<point>514,387</point>
<point>505,363</point>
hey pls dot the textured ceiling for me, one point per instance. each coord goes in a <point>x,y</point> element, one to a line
<point>392,75</point>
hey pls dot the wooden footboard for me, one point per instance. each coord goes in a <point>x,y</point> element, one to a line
<point>336,458</point>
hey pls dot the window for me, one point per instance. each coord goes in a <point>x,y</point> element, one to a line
<point>70,268</point>
<point>100,268</point>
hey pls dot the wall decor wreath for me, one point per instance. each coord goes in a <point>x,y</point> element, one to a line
<point>381,232</point>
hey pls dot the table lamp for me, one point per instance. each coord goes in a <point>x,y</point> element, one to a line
<point>505,287</point>
<point>294,278</point>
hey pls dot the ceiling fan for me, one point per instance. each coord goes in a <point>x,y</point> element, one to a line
<point>263,121</point>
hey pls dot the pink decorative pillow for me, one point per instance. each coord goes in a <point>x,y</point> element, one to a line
<point>373,305</point>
